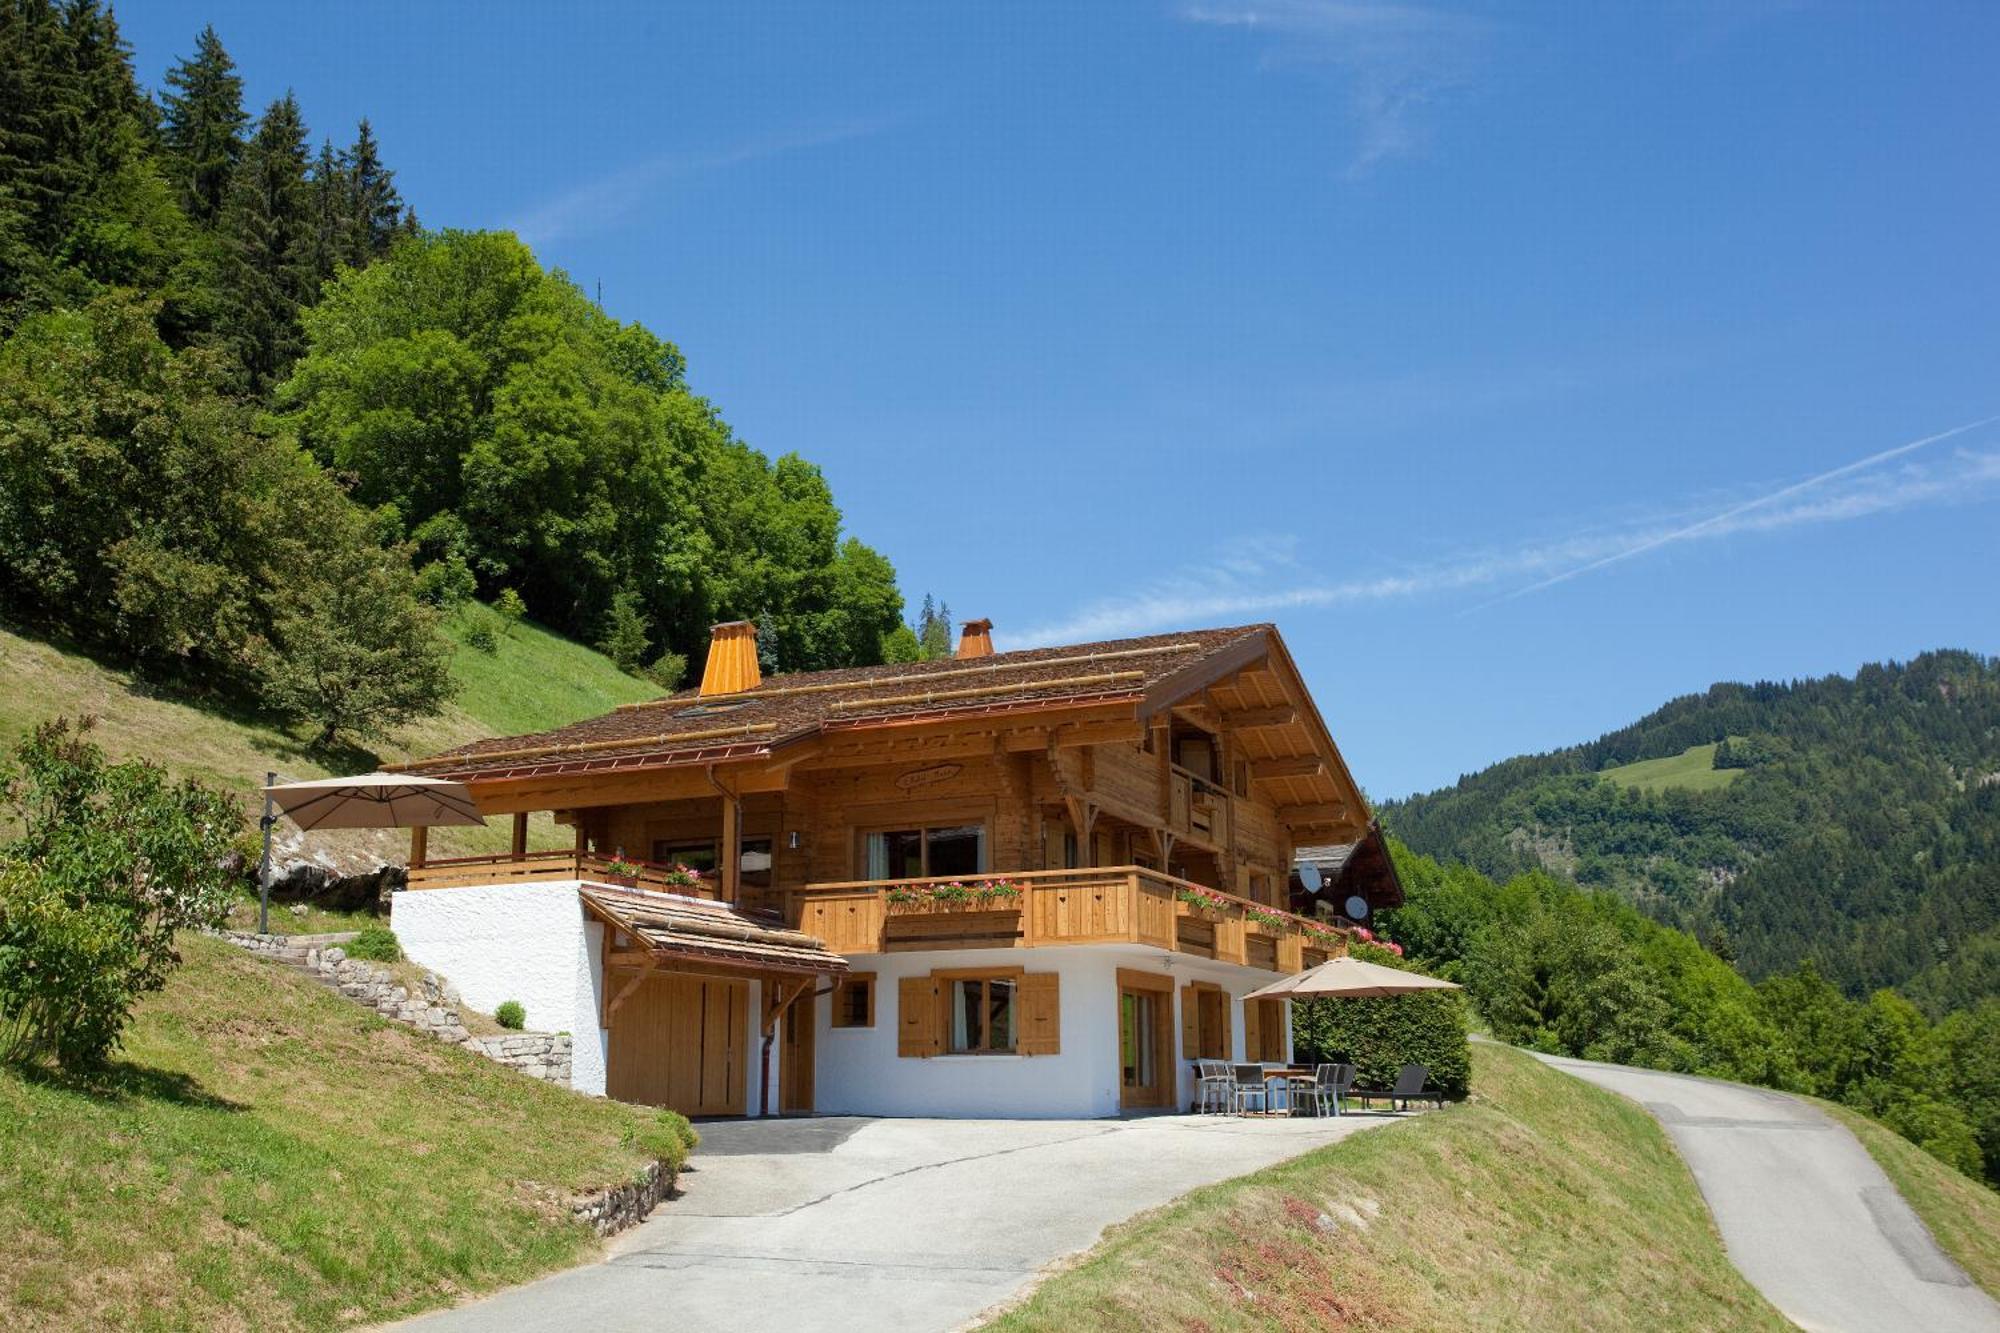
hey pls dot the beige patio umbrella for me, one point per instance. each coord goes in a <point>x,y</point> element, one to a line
<point>1349,977</point>
<point>375,800</point>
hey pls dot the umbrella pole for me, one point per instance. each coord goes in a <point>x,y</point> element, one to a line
<point>264,862</point>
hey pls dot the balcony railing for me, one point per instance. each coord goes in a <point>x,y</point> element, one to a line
<point>1000,910</point>
<point>529,867</point>
<point>1032,908</point>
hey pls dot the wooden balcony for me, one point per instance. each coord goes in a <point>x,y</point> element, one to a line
<point>531,867</point>
<point>1035,908</point>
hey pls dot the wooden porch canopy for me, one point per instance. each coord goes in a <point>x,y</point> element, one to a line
<point>664,930</point>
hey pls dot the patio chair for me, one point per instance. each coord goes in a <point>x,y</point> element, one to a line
<point>1250,1086</point>
<point>1330,1083</point>
<point>1214,1089</point>
<point>1409,1088</point>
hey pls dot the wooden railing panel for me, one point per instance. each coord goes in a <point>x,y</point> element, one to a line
<point>1154,914</point>
<point>848,922</point>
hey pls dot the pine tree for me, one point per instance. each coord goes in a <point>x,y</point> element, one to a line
<point>767,644</point>
<point>269,225</point>
<point>332,212</point>
<point>376,216</point>
<point>204,126</point>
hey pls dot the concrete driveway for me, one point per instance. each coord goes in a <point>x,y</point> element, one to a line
<point>879,1225</point>
<point>1806,1213</point>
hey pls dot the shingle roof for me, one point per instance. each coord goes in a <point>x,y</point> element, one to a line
<point>685,728</point>
<point>700,930</point>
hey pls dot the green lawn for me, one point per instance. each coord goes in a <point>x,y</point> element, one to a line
<point>1962,1213</point>
<point>1693,769</point>
<point>267,1155</point>
<point>532,681</point>
<point>1540,1203</point>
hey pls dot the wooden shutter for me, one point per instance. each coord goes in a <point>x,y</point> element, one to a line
<point>1253,1030</point>
<point>1190,1023</point>
<point>1040,1015</point>
<point>918,1029</point>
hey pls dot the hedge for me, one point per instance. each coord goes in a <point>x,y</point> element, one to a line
<point>1380,1036</point>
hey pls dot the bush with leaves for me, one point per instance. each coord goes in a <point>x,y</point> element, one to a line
<point>376,944</point>
<point>112,862</point>
<point>511,1015</point>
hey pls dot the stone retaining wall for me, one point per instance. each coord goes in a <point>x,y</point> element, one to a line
<point>610,1211</point>
<point>433,1008</point>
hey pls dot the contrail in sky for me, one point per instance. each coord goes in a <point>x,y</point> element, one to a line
<point>1736,511</point>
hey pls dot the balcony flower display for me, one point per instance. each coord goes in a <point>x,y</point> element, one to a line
<point>956,894</point>
<point>1206,900</point>
<point>1264,916</point>
<point>621,870</point>
<point>682,877</point>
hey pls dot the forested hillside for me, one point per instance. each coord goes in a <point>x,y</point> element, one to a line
<point>1863,832</point>
<point>261,434</point>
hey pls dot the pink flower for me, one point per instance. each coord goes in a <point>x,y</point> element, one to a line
<point>1363,933</point>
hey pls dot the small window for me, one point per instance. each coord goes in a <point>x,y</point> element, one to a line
<point>958,849</point>
<point>696,856</point>
<point>854,1001</point>
<point>982,1015</point>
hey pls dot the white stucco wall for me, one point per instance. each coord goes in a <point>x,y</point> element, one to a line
<point>525,942</point>
<point>859,1072</point>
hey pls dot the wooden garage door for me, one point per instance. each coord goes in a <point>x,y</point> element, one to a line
<point>681,1042</point>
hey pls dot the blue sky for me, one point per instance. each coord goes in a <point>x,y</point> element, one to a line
<point>1515,360</point>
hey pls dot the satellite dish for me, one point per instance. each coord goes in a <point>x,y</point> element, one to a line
<point>1309,876</point>
<point>1357,908</point>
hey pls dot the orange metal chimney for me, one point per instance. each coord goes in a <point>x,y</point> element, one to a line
<point>976,639</point>
<point>732,659</point>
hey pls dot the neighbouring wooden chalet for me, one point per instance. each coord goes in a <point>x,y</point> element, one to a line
<point>1026,883</point>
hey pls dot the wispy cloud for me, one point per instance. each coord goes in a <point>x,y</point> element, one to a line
<point>1271,576</point>
<point>612,198</point>
<point>1398,60</point>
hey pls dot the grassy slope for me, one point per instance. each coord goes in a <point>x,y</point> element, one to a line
<point>534,680</point>
<point>1961,1213</point>
<point>1693,769</point>
<point>271,1156</point>
<point>1540,1203</point>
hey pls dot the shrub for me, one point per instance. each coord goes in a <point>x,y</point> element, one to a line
<point>511,1015</point>
<point>511,608</point>
<point>481,638</point>
<point>113,861</point>
<point>669,669</point>
<point>376,944</point>
<point>1380,1036</point>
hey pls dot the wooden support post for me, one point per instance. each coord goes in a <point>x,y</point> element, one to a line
<point>729,859</point>
<point>419,841</point>
<point>520,844</point>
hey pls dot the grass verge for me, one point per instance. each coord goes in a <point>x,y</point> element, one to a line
<point>1962,1214</point>
<point>1539,1203</point>
<point>266,1155</point>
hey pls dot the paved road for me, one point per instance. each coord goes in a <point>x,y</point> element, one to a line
<point>883,1225</point>
<point>1806,1213</point>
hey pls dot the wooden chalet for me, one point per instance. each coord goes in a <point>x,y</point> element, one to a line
<point>1031,883</point>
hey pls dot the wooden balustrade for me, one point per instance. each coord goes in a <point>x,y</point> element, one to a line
<point>1031,908</point>
<point>530,867</point>
<point>1004,909</point>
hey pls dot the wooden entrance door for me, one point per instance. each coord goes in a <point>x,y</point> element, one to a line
<point>1145,1041</point>
<point>681,1042</point>
<point>795,1060</point>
